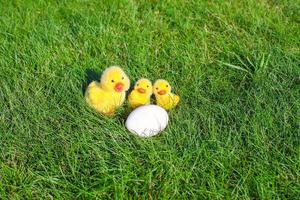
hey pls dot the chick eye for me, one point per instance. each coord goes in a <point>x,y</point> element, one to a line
<point>112,81</point>
<point>122,77</point>
<point>137,84</point>
<point>167,85</point>
<point>147,86</point>
<point>157,88</point>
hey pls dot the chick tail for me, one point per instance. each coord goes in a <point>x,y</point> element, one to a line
<point>87,93</point>
<point>92,84</point>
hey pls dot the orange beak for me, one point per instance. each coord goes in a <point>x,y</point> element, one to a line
<point>119,87</point>
<point>162,92</point>
<point>141,90</point>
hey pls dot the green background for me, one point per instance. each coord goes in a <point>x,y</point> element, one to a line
<point>235,65</point>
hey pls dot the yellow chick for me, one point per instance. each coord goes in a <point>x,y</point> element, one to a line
<point>163,95</point>
<point>106,96</point>
<point>141,93</point>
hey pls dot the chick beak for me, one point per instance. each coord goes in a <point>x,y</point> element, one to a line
<point>119,87</point>
<point>141,90</point>
<point>162,92</point>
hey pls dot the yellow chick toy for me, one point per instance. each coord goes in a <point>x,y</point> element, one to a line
<point>141,93</point>
<point>163,95</point>
<point>106,96</point>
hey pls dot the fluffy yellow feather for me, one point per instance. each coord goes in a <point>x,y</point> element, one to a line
<point>141,93</point>
<point>164,97</point>
<point>105,97</point>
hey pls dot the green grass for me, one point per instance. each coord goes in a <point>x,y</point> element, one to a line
<point>235,65</point>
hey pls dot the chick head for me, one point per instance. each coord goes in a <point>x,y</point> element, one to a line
<point>161,87</point>
<point>115,79</point>
<point>144,86</point>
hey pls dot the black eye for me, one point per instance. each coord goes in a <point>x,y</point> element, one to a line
<point>122,77</point>
<point>112,81</point>
<point>137,84</point>
<point>147,85</point>
<point>167,85</point>
<point>157,88</point>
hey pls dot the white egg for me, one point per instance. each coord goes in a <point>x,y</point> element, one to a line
<point>147,121</point>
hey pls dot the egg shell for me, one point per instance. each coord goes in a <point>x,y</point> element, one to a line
<point>147,121</point>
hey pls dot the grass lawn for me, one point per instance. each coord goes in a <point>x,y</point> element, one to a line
<point>235,64</point>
